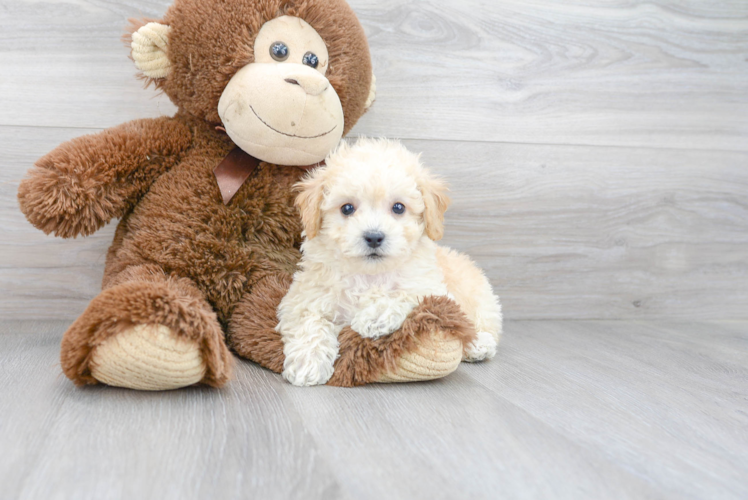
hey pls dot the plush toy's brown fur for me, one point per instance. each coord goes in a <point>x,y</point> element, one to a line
<point>211,40</point>
<point>180,257</point>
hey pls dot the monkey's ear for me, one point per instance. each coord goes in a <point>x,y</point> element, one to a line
<point>150,46</point>
<point>436,201</point>
<point>372,92</point>
<point>311,192</point>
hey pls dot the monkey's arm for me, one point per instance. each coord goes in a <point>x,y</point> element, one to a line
<point>84,183</point>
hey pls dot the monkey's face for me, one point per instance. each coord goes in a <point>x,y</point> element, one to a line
<point>281,108</point>
<point>285,79</point>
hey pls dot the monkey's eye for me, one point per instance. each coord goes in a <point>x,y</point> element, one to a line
<point>347,209</point>
<point>279,51</point>
<point>310,59</point>
<point>398,208</point>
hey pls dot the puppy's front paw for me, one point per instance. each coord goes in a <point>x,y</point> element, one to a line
<point>483,347</point>
<point>373,323</point>
<point>370,328</point>
<point>308,367</point>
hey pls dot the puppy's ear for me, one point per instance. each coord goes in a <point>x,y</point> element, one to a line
<point>436,201</point>
<point>311,191</point>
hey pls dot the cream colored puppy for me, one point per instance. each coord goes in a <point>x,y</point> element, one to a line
<point>371,217</point>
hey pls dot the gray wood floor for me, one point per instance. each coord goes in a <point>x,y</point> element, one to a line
<point>568,409</point>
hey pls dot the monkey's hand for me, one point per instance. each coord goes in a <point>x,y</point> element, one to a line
<point>84,183</point>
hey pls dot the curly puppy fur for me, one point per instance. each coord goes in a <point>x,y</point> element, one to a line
<point>370,217</point>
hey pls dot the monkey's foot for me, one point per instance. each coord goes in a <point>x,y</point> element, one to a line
<point>151,332</point>
<point>434,356</point>
<point>148,358</point>
<point>427,346</point>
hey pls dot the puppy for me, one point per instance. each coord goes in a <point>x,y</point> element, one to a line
<point>371,217</point>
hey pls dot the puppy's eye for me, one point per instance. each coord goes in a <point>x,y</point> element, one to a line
<point>310,59</point>
<point>279,51</point>
<point>398,208</point>
<point>347,209</point>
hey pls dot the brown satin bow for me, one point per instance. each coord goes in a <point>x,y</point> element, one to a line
<point>236,168</point>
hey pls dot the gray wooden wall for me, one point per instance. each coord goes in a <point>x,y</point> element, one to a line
<point>597,150</point>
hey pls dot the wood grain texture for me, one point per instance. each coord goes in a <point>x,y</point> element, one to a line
<point>245,441</point>
<point>567,410</point>
<point>562,231</point>
<point>653,74</point>
<point>673,395</point>
<point>523,106</point>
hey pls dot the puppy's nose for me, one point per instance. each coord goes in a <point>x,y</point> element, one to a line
<point>374,239</point>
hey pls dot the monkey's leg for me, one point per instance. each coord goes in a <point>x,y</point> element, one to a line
<point>251,330</point>
<point>428,345</point>
<point>147,331</point>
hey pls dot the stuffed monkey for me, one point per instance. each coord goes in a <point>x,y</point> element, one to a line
<point>208,233</point>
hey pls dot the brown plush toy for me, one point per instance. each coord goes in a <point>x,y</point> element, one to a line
<point>209,235</point>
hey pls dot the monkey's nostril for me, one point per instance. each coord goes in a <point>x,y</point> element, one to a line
<point>292,81</point>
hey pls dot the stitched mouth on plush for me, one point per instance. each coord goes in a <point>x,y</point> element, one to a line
<point>287,134</point>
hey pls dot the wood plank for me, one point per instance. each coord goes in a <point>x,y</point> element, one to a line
<point>103,442</point>
<point>32,391</point>
<point>562,231</point>
<point>452,438</point>
<point>39,272</point>
<point>660,74</point>
<point>665,401</point>
<point>579,232</point>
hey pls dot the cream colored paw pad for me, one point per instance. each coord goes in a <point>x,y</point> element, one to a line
<point>148,358</point>
<point>435,357</point>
